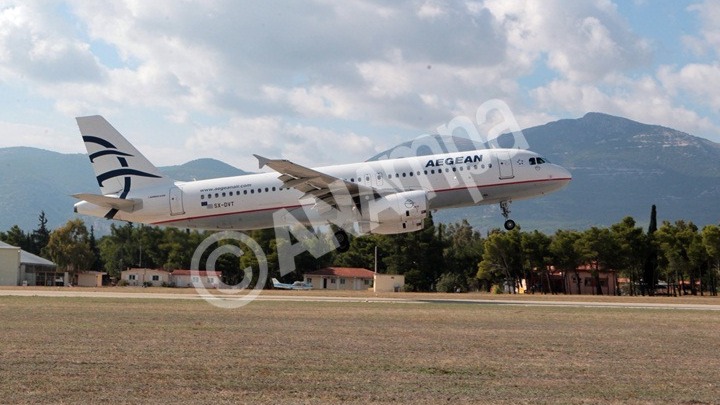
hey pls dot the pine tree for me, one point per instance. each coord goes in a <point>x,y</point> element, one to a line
<point>40,236</point>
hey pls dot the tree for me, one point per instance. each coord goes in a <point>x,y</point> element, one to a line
<point>675,241</point>
<point>631,250</point>
<point>18,238</point>
<point>598,248</point>
<point>69,247</point>
<point>502,259</point>
<point>536,251</point>
<point>711,242</point>
<point>119,250</point>
<point>650,275</point>
<point>40,236</point>
<point>97,264</point>
<point>565,254</point>
<point>463,251</point>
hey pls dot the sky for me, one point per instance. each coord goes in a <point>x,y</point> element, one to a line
<point>323,82</point>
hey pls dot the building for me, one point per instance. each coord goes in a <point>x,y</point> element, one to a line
<point>146,277</point>
<point>186,278</point>
<point>90,279</point>
<point>18,267</point>
<point>341,278</point>
<point>388,282</point>
<point>9,265</point>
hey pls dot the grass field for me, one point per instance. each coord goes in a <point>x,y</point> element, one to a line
<point>92,350</point>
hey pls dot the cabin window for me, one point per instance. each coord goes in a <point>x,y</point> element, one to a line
<point>267,189</point>
<point>202,196</point>
<point>273,189</point>
<point>217,195</point>
<point>223,194</point>
<point>244,191</point>
<point>411,174</point>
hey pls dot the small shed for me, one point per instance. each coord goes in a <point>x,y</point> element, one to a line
<point>91,279</point>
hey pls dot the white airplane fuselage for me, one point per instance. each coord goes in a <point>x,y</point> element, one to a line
<point>252,201</point>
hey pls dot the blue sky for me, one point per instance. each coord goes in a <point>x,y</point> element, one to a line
<point>324,83</point>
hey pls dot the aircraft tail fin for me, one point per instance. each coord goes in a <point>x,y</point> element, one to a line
<point>118,166</point>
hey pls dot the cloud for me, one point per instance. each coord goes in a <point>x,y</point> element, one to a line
<point>240,138</point>
<point>708,39</point>
<point>581,40</point>
<point>31,50</point>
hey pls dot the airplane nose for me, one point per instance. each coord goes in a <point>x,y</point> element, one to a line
<point>563,173</point>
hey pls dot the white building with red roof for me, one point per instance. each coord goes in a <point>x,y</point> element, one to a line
<point>340,278</point>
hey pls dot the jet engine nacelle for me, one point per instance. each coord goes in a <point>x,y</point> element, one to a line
<point>395,213</point>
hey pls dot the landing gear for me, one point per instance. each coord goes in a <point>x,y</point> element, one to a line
<point>343,241</point>
<point>505,208</point>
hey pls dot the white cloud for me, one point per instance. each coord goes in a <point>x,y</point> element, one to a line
<point>39,137</point>
<point>581,40</point>
<point>32,50</point>
<point>708,13</point>
<point>237,141</point>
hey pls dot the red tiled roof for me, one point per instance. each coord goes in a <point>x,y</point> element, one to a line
<point>349,272</point>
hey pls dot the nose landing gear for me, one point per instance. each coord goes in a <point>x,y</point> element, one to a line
<point>505,208</point>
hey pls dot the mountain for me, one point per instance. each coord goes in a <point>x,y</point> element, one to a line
<point>620,167</point>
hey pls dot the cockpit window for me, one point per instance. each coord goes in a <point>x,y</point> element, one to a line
<point>538,160</point>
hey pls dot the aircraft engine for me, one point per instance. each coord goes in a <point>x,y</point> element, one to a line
<point>395,213</point>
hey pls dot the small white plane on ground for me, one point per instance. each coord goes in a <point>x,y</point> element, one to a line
<point>298,285</point>
<point>384,197</point>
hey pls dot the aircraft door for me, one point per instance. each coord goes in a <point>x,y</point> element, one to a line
<point>505,165</point>
<point>176,201</point>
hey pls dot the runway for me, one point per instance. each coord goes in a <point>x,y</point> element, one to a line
<point>428,298</point>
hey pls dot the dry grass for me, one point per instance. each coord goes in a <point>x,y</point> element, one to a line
<point>92,350</point>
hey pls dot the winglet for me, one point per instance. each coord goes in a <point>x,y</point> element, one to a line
<point>262,161</point>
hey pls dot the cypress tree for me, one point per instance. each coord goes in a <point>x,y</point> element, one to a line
<point>649,273</point>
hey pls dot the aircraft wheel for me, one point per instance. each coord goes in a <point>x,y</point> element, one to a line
<point>510,224</point>
<point>343,241</point>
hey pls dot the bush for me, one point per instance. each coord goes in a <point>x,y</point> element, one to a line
<point>122,283</point>
<point>451,282</point>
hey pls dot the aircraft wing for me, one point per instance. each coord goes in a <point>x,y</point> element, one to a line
<point>323,187</point>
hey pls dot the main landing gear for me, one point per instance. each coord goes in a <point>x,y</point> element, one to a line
<point>505,208</point>
<point>343,241</point>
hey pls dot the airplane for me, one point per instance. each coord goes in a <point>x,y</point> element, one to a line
<point>384,197</point>
<point>298,285</point>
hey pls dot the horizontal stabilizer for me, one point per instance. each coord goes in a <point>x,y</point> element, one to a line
<point>111,202</point>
